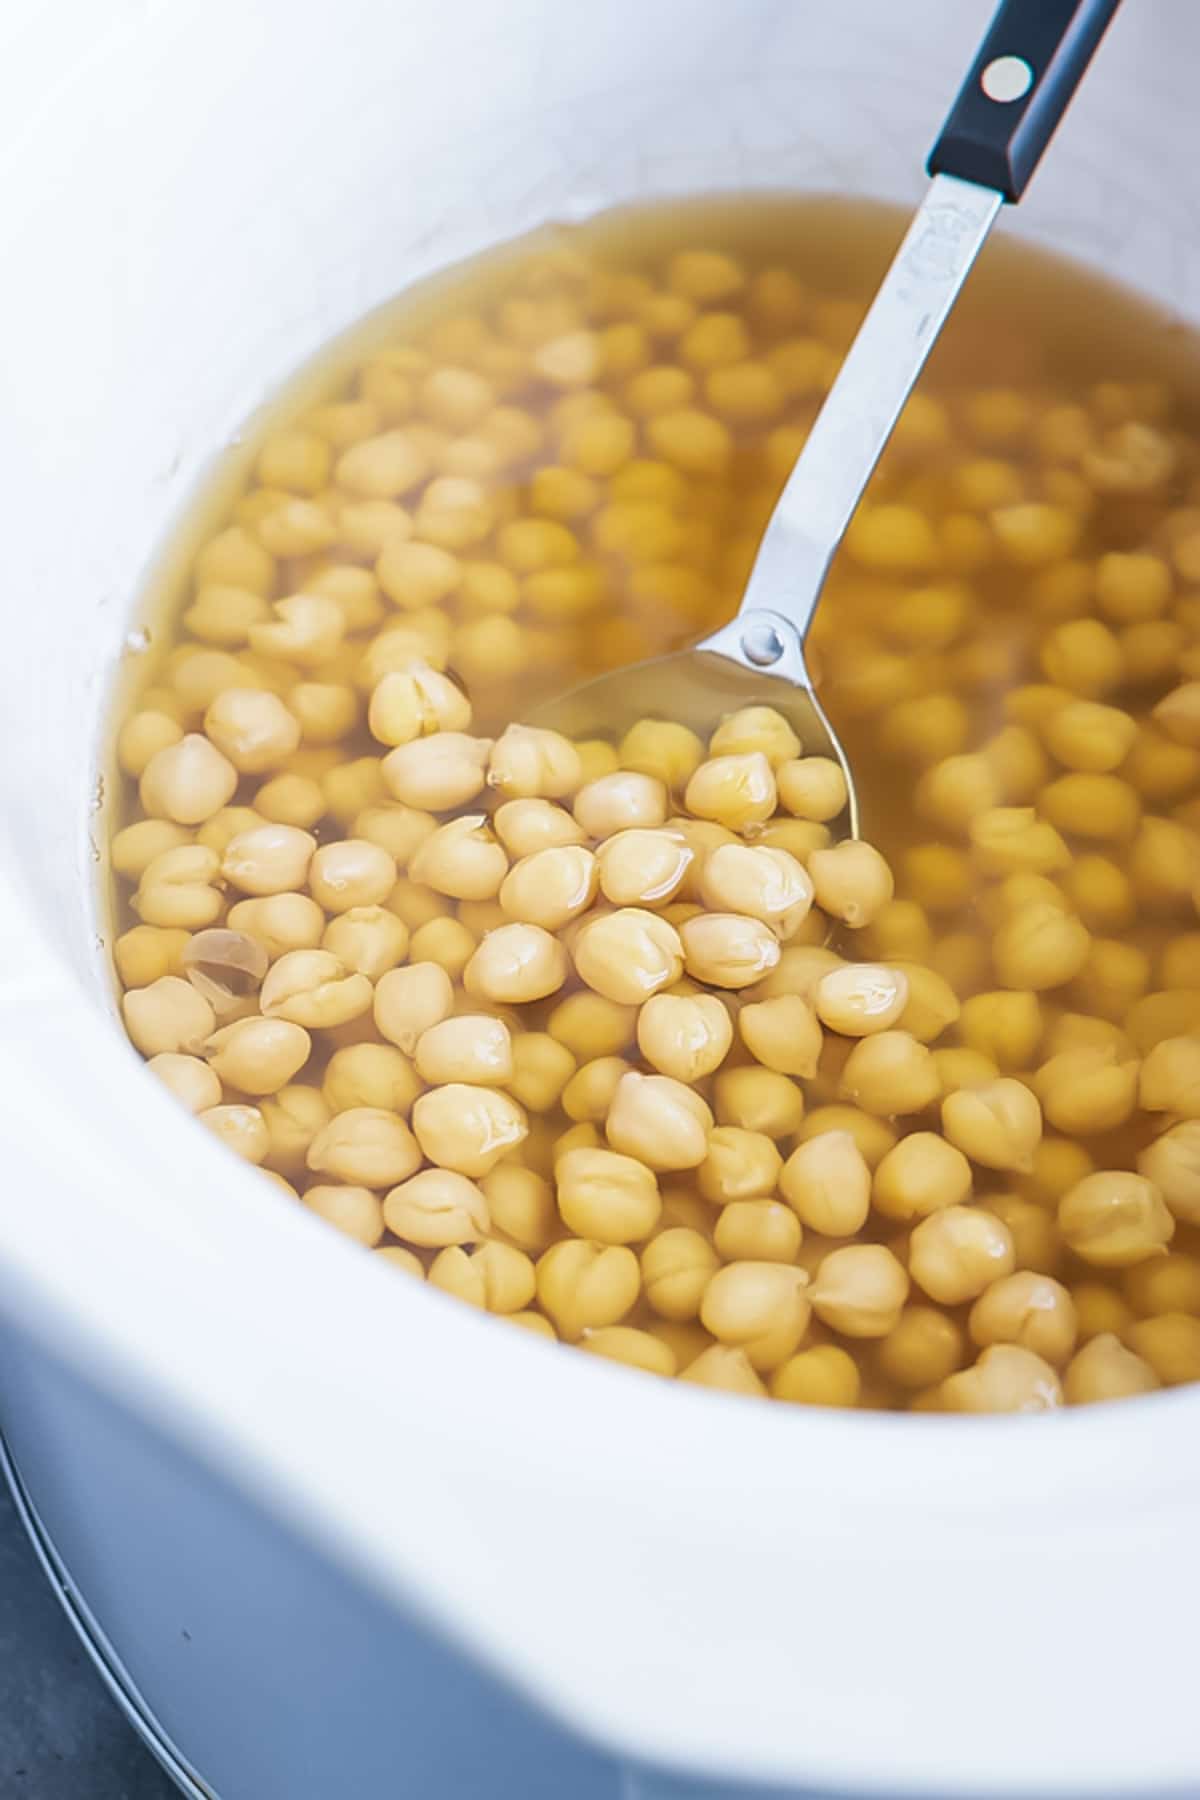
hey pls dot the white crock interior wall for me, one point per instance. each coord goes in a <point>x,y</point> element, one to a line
<point>195,196</point>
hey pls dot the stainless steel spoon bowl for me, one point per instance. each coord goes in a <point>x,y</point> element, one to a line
<point>1017,90</point>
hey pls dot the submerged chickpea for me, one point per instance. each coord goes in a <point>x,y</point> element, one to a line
<point>852,882</point>
<point>526,826</point>
<point>1008,1378</point>
<point>622,801</point>
<point>760,882</point>
<point>782,1034</point>
<point>583,1284</point>
<point>1105,1370</point>
<point>439,772</point>
<point>919,1176</point>
<point>735,791</point>
<point>860,1291</point>
<point>194,1084</point>
<point>957,1252</point>
<point>628,955</point>
<point>728,950</point>
<point>258,1055</point>
<point>516,964</point>
<point>759,1307</point>
<point>436,1207</point>
<point>365,1146</point>
<point>1032,1310</point>
<point>998,1124</point>
<point>550,887</point>
<point>607,1196</point>
<point>168,1016</point>
<point>470,1047</point>
<point>467,1128</point>
<point>187,782</point>
<point>312,988</point>
<point>659,1121</point>
<point>1114,1219</point>
<point>890,1074</point>
<point>643,868</point>
<point>827,1184</point>
<point>859,999</point>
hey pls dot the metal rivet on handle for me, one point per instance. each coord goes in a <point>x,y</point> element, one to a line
<point>762,644</point>
<point>1007,78</point>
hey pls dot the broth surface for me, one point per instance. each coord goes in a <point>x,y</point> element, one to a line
<point>557,460</point>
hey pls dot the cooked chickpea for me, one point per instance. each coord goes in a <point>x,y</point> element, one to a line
<point>812,787</point>
<point>759,1307</point>
<point>725,1368</point>
<point>1172,1165</point>
<point>467,1128</point>
<point>860,1291</point>
<point>192,1082</point>
<point>728,950</point>
<point>1114,1219</point>
<point>643,868</point>
<point>270,859</point>
<point>350,873</point>
<point>735,790</point>
<point>1088,1089</point>
<point>436,1208</point>
<point>783,1034</point>
<point>998,1125</point>
<point>1003,1025</point>
<point>240,1128</point>
<point>957,1252</point>
<point>739,1165</point>
<point>1032,1310</point>
<point>439,772</point>
<point>919,1176</point>
<point>859,999</point>
<point>758,1100</point>
<point>1040,947</point>
<point>658,1120</point>
<point>628,955</point>
<point>526,826</point>
<point>760,882</point>
<point>923,1347</point>
<point>414,703</point>
<point>187,782</point>
<point>528,763</point>
<point>852,882</point>
<point>607,1196</point>
<point>516,964</point>
<point>469,1047</point>
<point>365,1146</point>
<point>1170,1344</point>
<point>823,1376</point>
<point>622,801</point>
<point>889,1074</point>
<point>258,1055</point>
<point>685,1036</point>
<point>589,1093</point>
<point>314,989</point>
<point>584,1285</point>
<point>1105,1370</point>
<point>168,1016</point>
<point>177,889</point>
<point>827,1183</point>
<point>662,749</point>
<point>550,887</point>
<point>1170,1077</point>
<point>1008,1378</point>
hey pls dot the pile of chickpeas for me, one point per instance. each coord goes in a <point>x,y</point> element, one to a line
<point>625,1041</point>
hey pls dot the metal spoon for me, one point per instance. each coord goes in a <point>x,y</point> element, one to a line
<point>1026,71</point>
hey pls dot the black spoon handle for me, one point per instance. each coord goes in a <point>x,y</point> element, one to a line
<point>1018,88</point>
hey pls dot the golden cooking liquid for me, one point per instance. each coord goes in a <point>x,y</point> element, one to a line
<point>1038,352</point>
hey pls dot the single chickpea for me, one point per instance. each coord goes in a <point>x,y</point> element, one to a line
<point>550,887</point>
<point>860,1291</point>
<point>889,1074</point>
<point>622,801</point>
<point>366,1147</point>
<point>812,787</point>
<point>1092,806</point>
<point>408,1001</point>
<point>757,1231</point>
<point>142,736</point>
<point>636,1349</point>
<point>350,873</point>
<point>998,1125</point>
<point>1105,1370</point>
<point>962,1068</point>
<point>437,773</point>
<point>461,859</point>
<point>783,1034</point>
<point>607,1197</point>
<point>859,999</point>
<point>314,989</point>
<point>758,1100</point>
<point>923,1347</point>
<point>755,728</point>
<point>542,1067</point>
<point>522,1205</point>
<point>727,950</point>
<point>957,1252</point>
<point>658,1120</point>
<point>253,728</point>
<point>177,889</point>
<point>1158,1016</point>
<point>526,826</point>
<point>628,955</point>
<point>470,1047</point>
<point>241,1129</point>
<point>466,1128</point>
<point>677,1266</point>
<point>1172,1164</point>
<point>293,1117</point>
<point>1008,840</point>
<point>1040,947</point>
<point>528,763</point>
<point>826,1375</point>
<point>1037,1244</point>
<point>270,859</point>
<point>759,882</point>
<point>852,882</point>
<point>367,940</point>
<point>643,868</point>
<point>1179,714</point>
<point>874,1137</point>
<point>279,922</point>
<point>375,1075</point>
<point>1088,1089</point>
<point>187,782</point>
<point>290,799</point>
<point>734,790</point>
<point>1032,1310</point>
<point>167,1016</point>
<point>922,1174</point>
<point>932,1005</point>
<point>759,1307</point>
<point>1168,1284</point>
<point>1170,1344</point>
<point>589,1025</point>
<point>436,1208</point>
<point>1100,1309</point>
<point>352,787</point>
<point>1114,1219</point>
<point>1004,1025</point>
<point>190,1079</point>
<point>725,1368</point>
<point>738,1165</point>
<point>589,1093</point>
<point>1087,736</point>
<point>585,1285</point>
<point>515,964</point>
<point>1007,1379</point>
<point>663,750</point>
<point>258,1055</point>
<point>1170,1076</point>
<point>497,1278</point>
<point>684,1036</point>
<point>353,1210</point>
<point>414,703</point>
<point>827,1183</point>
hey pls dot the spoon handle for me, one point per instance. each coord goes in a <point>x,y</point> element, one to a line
<point>1029,65</point>
<point>1017,90</point>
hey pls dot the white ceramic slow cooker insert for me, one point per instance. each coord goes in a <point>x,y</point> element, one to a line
<point>343,1536</point>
